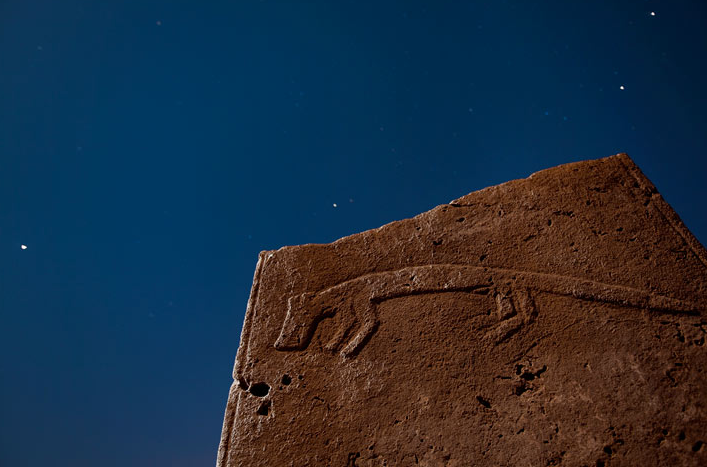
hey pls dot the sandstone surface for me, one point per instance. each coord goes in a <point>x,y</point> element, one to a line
<point>555,320</point>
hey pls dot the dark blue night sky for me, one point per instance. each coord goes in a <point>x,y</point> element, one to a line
<point>150,149</point>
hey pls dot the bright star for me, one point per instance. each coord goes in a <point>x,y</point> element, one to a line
<point>24,247</point>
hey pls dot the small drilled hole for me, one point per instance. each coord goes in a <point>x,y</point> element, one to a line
<point>286,379</point>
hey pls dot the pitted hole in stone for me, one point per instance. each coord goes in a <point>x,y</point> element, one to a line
<point>529,375</point>
<point>608,450</point>
<point>351,461</point>
<point>259,389</point>
<point>681,436</point>
<point>697,446</point>
<point>264,408</point>
<point>520,388</point>
<point>242,383</point>
<point>483,402</point>
<point>286,379</point>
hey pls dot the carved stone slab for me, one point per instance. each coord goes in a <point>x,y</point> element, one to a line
<point>559,319</point>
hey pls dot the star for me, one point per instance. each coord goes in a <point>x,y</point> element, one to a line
<point>24,247</point>
<point>652,13</point>
<point>334,205</point>
<point>622,87</point>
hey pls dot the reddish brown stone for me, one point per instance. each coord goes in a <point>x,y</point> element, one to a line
<point>554,320</point>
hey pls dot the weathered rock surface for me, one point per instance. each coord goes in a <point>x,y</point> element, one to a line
<point>556,320</point>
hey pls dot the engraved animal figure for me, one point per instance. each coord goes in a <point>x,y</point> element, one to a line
<point>355,301</point>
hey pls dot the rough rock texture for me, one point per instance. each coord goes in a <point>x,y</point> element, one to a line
<point>556,320</point>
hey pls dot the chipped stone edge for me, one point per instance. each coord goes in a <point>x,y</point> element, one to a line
<point>664,208</point>
<point>454,202</point>
<point>633,170</point>
<point>239,379</point>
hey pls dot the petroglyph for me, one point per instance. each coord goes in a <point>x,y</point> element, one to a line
<point>557,318</point>
<point>356,301</point>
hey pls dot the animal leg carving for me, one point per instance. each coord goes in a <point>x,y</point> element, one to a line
<point>368,325</point>
<point>347,323</point>
<point>303,315</point>
<point>504,304</point>
<point>525,304</point>
<point>515,309</point>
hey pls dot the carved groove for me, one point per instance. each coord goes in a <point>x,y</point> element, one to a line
<point>356,300</point>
